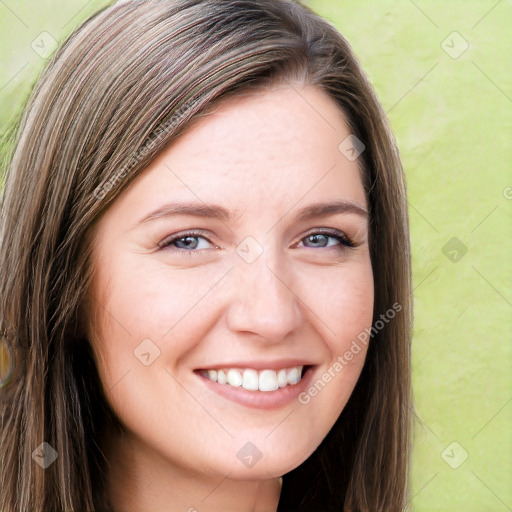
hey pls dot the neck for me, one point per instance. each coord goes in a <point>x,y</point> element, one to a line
<point>140,479</point>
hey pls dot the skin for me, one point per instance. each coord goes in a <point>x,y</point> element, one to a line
<point>263,157</point>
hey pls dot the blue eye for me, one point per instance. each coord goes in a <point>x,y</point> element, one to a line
<point>184,243</point>
<point>190,243</point>
<point>322,239</point>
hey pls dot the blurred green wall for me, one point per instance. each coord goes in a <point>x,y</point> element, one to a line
<point>442,70</point>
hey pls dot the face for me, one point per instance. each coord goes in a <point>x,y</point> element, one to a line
<point>222,262</point>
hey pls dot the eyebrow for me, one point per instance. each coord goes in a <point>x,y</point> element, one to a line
<point>215,211</point>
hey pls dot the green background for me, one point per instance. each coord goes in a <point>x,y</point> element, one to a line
<point>442,70</point>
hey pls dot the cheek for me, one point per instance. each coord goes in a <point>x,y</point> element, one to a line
<point>135,302</point>
<point>147,315</point>
<point>345,307</point>
<point>158,297</point>
<point>343,301</point>
<point>353,321</point>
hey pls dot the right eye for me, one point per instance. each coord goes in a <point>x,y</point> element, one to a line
<point>184,243</point>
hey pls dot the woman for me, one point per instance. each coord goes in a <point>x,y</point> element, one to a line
<point>205,271</point>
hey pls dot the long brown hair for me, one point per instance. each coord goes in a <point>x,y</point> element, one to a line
<point>118,91</point>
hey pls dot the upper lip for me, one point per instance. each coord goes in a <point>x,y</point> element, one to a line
<point>276,364</point>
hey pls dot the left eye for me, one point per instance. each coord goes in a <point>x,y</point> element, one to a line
<point>323,239</point>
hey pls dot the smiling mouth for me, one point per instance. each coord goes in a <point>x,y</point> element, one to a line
<point>257,380</point>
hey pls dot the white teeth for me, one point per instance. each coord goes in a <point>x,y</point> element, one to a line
<point>268,380</point>
<point>221,377</point>
<point>252,380</point>
<point>293,375</point>
<point>234,378</point>
<point>282,381</point>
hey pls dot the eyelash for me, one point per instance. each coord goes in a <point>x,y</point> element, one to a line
<point>345,241</point>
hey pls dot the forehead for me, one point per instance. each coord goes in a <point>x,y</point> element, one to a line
<point>268,150</point>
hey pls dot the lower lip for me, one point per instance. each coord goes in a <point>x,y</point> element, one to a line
<point>260,399</point>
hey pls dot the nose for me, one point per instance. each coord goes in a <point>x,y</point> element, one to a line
<point>262,301</point>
